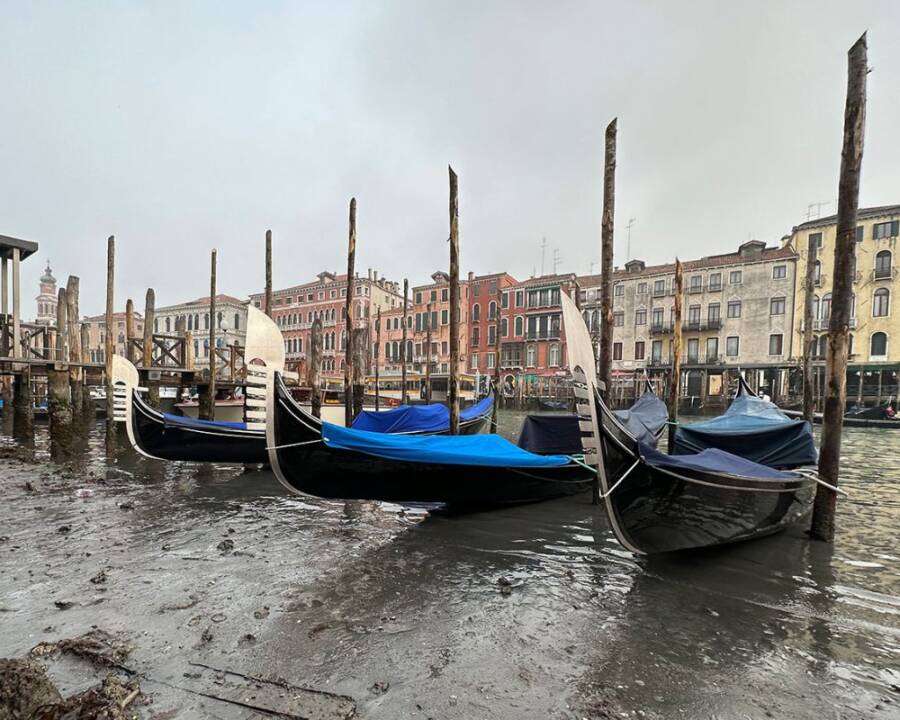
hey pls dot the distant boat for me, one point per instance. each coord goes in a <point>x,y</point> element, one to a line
<point>873,417</point>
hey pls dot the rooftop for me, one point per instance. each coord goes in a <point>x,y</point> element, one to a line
<point>7,244</point>
<point>861,214</point>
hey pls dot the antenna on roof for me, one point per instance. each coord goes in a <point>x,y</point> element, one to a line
<point>631,221</point>
<point>556,260</point>
<point>543,252</point>
<point>818,209</point>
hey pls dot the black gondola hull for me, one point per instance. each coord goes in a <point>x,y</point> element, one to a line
<point>306,465</point>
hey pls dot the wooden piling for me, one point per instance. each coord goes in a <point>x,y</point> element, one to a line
<point>110,345</point>
<point>808,295</point>
<point>348,317</point>
<point>360,368</point>
<point>129,329</point>
<point>822,527</point>
<point>211,387</point>
<point>453,394</point>
<point>76,387</point>
<point>146,360</point>
<point>675,379</point>
<point>376,354</point>
<point>496,380</point>
<point>607,234</point>
<point>23,406</point>
<point>314,367</point>
<point>428,355</point>
<point>88,408</point>
<point>269,273</point>
<point>62,327</point>
<point>404,395</point>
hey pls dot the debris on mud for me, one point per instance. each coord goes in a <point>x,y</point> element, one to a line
<point>227,545</point>
<point>96,646</point>
<point>379,688</point>
<point>24,688</point>
<point>100,577</point>
<point>109,700</point>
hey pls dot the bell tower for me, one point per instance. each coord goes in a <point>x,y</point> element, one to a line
<point>47,300</point>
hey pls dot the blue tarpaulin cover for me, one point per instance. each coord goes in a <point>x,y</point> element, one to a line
<point>713,460</point>
<point>201,424</point>
<point>754,429</point>
<point>645,418</point>
<point>484,450</point>
<point>417,418</point>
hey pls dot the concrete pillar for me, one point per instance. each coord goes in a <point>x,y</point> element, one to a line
<point>23,406</point>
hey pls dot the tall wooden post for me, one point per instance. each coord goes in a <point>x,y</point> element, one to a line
<point>808,295</point>
<point>496,379</point>
<point>375,355</point>
<point>269,273</point>
<point>87,402</point>
<point>314,367</point>
<point>110,345</point>
<point>59,406</point>
<point>428,355</point>
<point>74,332</point>
<point>360,368</point>
<point>675,380</point>
<point>211,388</point>
<point>129,329</point>
<point>404,397</point>
<point>348,317</point>
<point>4,307</point>
<point>822,527</point>
<point>146,360</point>
<point>62,327</point>
<point>453,395</point>
<point>607,232</point>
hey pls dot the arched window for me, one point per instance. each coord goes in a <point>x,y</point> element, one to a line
<point>409,349</point>
<point>554,355</point>
<point>881,303</point>
<point>883,265</point>
<point>396,350</point>
<point>156,325</point>
<point>206,321</point>
<point>826,306</point>
<point>817,273</point>
<point>823,347</point>
<point>492,310</point>
<point>530,356</point>
<point>168,325</point>
<point>519,325</point>
<point>587,319</point>
<point>219,317</point>
<point>878,345</point>
<point>387,351</point>
<point>476,312</point>
<point>595,320</point>
<point>191,322</point>
<point>196,321</point>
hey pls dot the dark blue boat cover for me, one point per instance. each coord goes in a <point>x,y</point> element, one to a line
<point>551,435</point>
<point>645,418</point>
<point>483,450</point>
<point>754,429</point>
<point>417,418</point>
<point>201,424</point>
<point>716,461</point>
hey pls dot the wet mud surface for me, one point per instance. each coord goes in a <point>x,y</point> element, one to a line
<point>234,597</point>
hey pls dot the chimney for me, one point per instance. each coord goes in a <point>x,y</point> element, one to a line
<point>375,275</point>
<point>369,273</point>
<point>471,276</point>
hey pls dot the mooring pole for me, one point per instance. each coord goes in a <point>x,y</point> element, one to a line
<point>675,381</point>
<point>87,402</point>
<point>146,359</point>
<point>822,527</point>
<point>808,294</point>
<point>428,356</point>
<point>313,368</point>
<point>404,398</point>
<point>23,406</point>
<point>59,406</point>
<point>74,334</point>
<point>211,388</point>
<point>110,345</point>
<point>348,317</point>
<point>375,355</point>
<point>453,395</point>
<point>129,329</point>
<point>269,273</point>
<point>360,368</point>
<point>607,233</point>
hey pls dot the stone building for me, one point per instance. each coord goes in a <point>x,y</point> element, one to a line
<point>47,299</point>
<point>737,312</point>
<point>489,299</point>
<point>230,323</point>
<point>874,325</point>
<point>97,334</point>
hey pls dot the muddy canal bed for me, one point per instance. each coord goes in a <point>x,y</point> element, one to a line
<point>235,597</point>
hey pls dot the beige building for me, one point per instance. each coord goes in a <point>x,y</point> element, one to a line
<point>737,313</point>
<point>230,323</point>
<point>97,333</point>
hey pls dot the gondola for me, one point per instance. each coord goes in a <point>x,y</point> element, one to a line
<point>873,417</point>
<point>662,503</point>
<point>456,473</point>
<point>432,419</point>
<point>753,428</point>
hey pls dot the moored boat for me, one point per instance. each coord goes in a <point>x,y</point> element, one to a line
<point>875,417</point>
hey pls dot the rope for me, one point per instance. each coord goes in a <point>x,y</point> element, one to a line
<point>296,444</point>
<point>814,476</point>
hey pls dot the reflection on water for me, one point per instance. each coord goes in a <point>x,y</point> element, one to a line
<point>526,612</point>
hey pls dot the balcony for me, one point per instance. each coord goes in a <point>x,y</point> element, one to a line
<point>694,289</point>
<point>702,325</point>
<point>658,362</point>
<point>889,273</point>
<point>661,328</point>
<point>662,292</point>
<point>714,288</point>
<point>552,335</point>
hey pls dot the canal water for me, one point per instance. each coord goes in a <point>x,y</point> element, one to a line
<point>530,612</point>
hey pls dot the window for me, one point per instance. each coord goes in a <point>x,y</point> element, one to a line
<point>659,288</point>
<point>640,317</point>
<point>476,336</point>
<point>735,277</point>
<point>492,311</point>
<point>617,351</point>
<point>504,327</point>
<point>657,318</point>
<point>712,313</point>
<point>715,281</point>
<point>712,349</point>
<point>696,283</point>
<point>826,306</point>
<point>656,351</point>
<point>520,298</point>
<point>619,290</point>
<point>886,229</point>
<point>694,315</point>
<point>618,319</point>
<point>693,350</point>
<point>476,313</point>
<point>492,335</point>
<point>595,320</point>
<point>530,356</point>
<point>732,346</point>
<point>859,233</point>
<point>775,344</point>
<point>881,305</point>
<point>445,294</point>
<point>418,298</point>
<point>639,350</point>
<point>554,355</point>
<point>642,288</point>
<point>878,345</point>
<point>817,272</point>
<point>504,300</point>
<point>779,272</point>
<point>815,239</point>
<point>477,290</point>
<point>490,360</point>
<point>883,265</point>
<point>445,317</point>
<point>776,307</point>
<point>519,325</point>
<point>734,308</point>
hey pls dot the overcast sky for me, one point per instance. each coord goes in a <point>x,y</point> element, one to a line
<point>183,126</point>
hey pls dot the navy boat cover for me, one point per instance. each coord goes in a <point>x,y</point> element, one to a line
<point>483,450</point>
<point>560,433</point>
<point>417,418</point>
<point>716,461</point>
<point>755,429</point>
<point>201,424</point>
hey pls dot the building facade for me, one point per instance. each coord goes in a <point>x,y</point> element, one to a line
<point>230,324</point>
<point>47,299</point>
<point>489,302</point>
<point>738,312</point>
<point>96,325</point>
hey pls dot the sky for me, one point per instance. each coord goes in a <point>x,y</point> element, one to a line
<point>178,127</point>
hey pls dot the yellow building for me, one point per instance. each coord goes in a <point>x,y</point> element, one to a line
<point>874,323</point>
